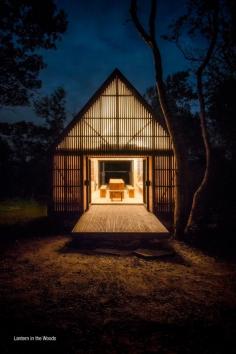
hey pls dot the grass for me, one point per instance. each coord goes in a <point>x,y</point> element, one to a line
<point>18,211</point>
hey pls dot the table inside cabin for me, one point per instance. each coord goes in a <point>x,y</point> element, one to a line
<point>116,188</point>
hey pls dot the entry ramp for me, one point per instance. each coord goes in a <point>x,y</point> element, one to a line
<point>120,220</point>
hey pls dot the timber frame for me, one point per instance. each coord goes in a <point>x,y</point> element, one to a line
<point>116,121</point>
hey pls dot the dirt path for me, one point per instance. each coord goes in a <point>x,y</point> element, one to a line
<point>108,304</point>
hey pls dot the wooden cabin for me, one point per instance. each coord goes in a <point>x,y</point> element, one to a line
<point>116,136</point>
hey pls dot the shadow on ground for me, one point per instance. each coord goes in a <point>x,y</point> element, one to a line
<point>148,249</point>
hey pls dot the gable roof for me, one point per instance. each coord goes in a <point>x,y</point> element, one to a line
<point>115,74</point>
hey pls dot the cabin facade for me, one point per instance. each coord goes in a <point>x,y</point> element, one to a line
<point>115,137</point>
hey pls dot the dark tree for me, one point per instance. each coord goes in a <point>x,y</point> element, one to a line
<point>222,112</point>
<point>53,110</point>
<point>22,159</point>
<point>26,26</point>
<point>149,37</point>
<point>210,25</point>
<point>5,167</point>
<point>24,148</point>
<point>180,90</point>
<point>182,100</point>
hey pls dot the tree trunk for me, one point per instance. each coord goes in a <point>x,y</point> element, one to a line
<point>149,38</point>
<point>180,218</point>
<point>199,207</point>
<point>199,210</point>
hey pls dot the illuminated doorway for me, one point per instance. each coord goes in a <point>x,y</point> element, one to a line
<point>117,180</point>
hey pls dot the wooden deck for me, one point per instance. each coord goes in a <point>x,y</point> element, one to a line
<point>119,219</point>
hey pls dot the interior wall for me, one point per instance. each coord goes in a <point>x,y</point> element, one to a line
<point>136,168</point>
<point>136,174</point>
<point>94,175</point>
<point>121,169</point>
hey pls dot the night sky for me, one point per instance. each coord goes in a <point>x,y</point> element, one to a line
<point>99,38</point>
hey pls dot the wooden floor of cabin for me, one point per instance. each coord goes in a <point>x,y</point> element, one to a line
<point>119,218</point>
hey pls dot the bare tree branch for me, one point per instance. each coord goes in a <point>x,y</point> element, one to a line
<point>152,18</point>
<point>199,74</point>
<point>133,11</point>
<point>212,45</point>
<point>185,54</point>
<point>149,38</point>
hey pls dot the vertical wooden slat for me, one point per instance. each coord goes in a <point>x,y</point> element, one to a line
<point>115,121</point>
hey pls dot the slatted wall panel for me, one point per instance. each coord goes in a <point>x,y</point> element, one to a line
<point>67,183</point>
<point>116,121</point>
<point>164,183</point>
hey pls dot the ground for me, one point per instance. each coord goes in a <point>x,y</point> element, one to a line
<point>96,303</point>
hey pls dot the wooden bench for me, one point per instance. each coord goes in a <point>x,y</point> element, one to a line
<point>116,193</point>
<point>103,191</point>
<point>130,191</point>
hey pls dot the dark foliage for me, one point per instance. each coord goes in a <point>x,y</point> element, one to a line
<point>22,159</point>
<point>52,110</point>
<point>221,113</point>
<point>219,75</point>
<point>182,100</point>
<point>26,26</point>
<point>210,27</point>
<point>24,149</point>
